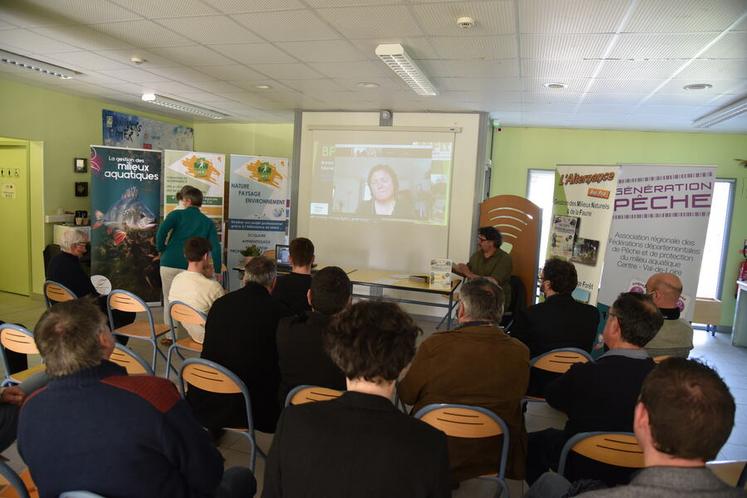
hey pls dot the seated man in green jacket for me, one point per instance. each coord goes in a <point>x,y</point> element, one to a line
<point>490,261</point>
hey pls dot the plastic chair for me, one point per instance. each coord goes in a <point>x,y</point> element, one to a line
<point>18,339</point>
<point>620,449</point>
<point>123,300</point>
<point>80,494</point>
<point>557,361</point>
<point>214,378</point>
<point>130,360</point>
<point>180,312</point>
<point>309,394</point>
<point>14,480</point>
<point>55,292</point>
<point>464,421</point>
<point>732,472</point>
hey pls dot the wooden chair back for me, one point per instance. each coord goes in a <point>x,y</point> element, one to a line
<point>560,360</point>
<point>184,313</point>
<point>56,292</point>
<point>209,379</point>
<point>520,222</point>
<point>127,358</point>
<point>620,449</point>
<point>658,359</point>
<point>18,339</point>
<point>311,394</point>
<point>126,301</point>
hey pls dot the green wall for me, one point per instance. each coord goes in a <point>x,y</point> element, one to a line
<point>66,125</point>
<point>249,139</point>
<point>516,150</point>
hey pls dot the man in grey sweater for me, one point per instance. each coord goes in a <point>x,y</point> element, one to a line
<point>684,416</point>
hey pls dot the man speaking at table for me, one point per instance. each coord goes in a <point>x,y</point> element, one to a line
<point>490,261</point>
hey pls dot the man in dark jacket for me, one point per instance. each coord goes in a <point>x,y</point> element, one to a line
<point>300,352</point>
<point>240,335</point>
<point>601,395</point>
<point>96,428</point>
<point>558,322</point>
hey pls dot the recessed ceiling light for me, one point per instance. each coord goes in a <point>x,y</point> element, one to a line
<point>263,87</point>
<point>697,86</point>
<point>368,84</point>
<point>178,105</point>
<point>137,60</point>
<point>555,85</point>
<point>40,67</point>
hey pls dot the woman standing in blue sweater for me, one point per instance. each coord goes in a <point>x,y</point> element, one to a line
<point>179,226</point>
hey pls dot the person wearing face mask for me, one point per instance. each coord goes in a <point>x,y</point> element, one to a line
<point>386,199</point>
<point>558,322</point>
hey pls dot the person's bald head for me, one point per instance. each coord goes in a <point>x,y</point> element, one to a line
<point>665,289</point>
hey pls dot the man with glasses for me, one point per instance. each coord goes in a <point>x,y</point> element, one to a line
<point>675,338</point>
<point>490,261</point>
<point>600,395</point>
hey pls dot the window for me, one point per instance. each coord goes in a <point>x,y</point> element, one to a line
<point>717,240</point>
<point>540,187</point>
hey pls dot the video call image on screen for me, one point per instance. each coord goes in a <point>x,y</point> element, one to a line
<point>395,182</point>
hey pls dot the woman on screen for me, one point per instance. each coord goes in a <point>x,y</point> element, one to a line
<point>386,199</point>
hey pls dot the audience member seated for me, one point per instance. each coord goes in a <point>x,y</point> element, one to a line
<point>360,445</point>
<point>65,269</point>
<point>11,399</point>
<point>95,428</point>
<point>291,288</point>
<point>240,334</point>
<point>683,417</point>
<point>475,364</point>
<point>301,356</point>
<point>675,338</point>
<point>196,286</point>
<point>600,395</point>
<point>490,261</point>
<point>558,322</point>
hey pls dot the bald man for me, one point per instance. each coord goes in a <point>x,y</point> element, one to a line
<point>675,338</point>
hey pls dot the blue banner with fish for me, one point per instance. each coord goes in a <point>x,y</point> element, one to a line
<point>125,199</point>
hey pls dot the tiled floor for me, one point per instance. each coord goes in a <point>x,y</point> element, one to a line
<point>731,362</point>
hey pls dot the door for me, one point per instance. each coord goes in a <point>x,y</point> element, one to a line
<point>15,264</point>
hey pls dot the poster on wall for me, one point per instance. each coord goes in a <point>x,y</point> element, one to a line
<point>202,170</point>
<point>125,193</point>
<point>659,225</point>
<point>128,130</point>
<point>582,214</point>
<point>258,208</point>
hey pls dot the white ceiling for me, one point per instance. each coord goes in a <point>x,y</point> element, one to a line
<point>624,61</point>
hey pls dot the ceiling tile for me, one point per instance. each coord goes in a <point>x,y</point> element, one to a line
<point>483,47</point>
<point>623,85</point>
<point>146,34</point>
<point>719,86</point>
<point>478,84</point>
<point>238,6</point>
<point>193,55</point>
<point>254,53</point>
<point>123,55</point>
<point>166,8</point>
<point>134,75</point>
<point>574,85</point>
<point>548,97</point>
<point>322,51</point>
<point>85,11</point>
<point>182,73</point>
<point>218,87</point>
<point>731,46</point>
<point>418,48</point>
<point>251,86</point>
<point>232,72</point>
<point>473,68</point>
<point>721,69</point>
<point>6,25</point>
<point>82,37</point>
<point>86,61</point>
<point>363,69</point>
<point>557,70</point>
<point>608,109</point>
<point>564,46</point>
<point>170,88</point>
<point>26,41</point>
<point>577,16</point>
<point>210,29</point>
<point>295,71</point>
<point>312,86</point>
<point>385,85</point>
<point>284,26</point>
<point>491,18</point>
<point>372,22</point>
<point>684,16</point>
<point>630,99</point>
<point>659,46</point>
<point>627,69</point>
<point>348,3</point>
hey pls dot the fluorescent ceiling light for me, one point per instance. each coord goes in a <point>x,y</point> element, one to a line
<point>394,56</point>
<point>23,62</point>
<point>722,114</point>
<point>178,105</point>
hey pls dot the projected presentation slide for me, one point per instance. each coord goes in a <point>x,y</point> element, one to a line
<point>393,182</point>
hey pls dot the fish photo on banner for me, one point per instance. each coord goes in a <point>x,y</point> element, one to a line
<point>125,198</point>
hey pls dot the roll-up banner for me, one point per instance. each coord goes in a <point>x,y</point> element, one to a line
<point>582,214</point>
<point>258,208</point>
<point>659,225</point>
<point>202,170</point>
<point>125,199</point>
